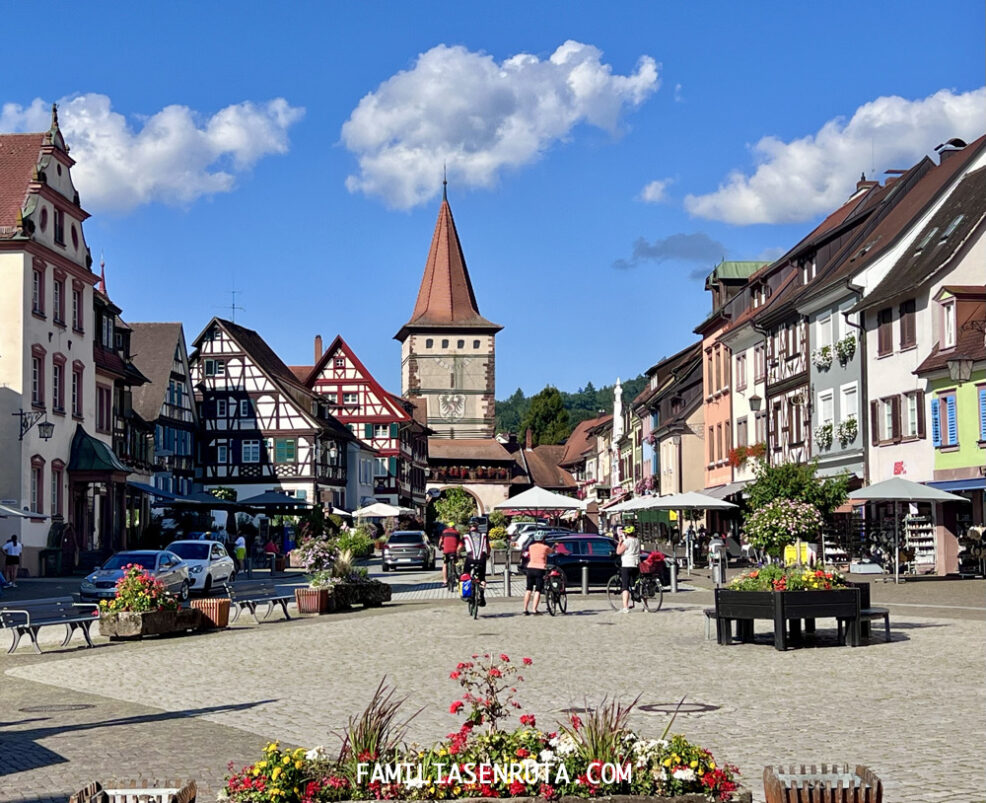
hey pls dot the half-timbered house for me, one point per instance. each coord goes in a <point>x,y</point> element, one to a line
<point>383,421</point>
<point>167,402</point>
<point>260,427</point>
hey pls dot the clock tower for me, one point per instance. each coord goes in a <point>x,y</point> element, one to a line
<point>448,356</point>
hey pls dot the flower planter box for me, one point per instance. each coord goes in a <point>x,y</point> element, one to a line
<point>312,600</point>
<point>127,624</point>
<point>215,612</point>
<point>343,595</point>
<point>830,785</point>
<point>783,607</point>
<point>373,594</point>
<point>739,796</point>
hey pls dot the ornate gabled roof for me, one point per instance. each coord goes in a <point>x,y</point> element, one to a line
<point>446,299</point>
<point>19,154</point>
<point>152,349</point>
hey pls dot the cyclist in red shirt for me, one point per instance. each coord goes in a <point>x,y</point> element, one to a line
<point>451,543</point>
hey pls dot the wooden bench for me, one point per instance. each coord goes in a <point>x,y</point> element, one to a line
<point>30,617</point>
<point>251,593</point>
<point>867,612</point>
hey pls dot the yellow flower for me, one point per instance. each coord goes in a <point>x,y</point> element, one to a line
<point>442,752</point>
<point>261,764</point>
<point>693,764</point>
<point>297,765</point>
<point>667,762</point>
<point>275,773</point>
<point>287,760</point>
<point>712,765</point>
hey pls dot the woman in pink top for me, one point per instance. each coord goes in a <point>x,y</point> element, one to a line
<point>537,563</point>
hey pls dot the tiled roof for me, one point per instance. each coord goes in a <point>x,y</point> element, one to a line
<point>18,157</point>
<point>544,469</point>
<point>467,449</point>
<point>152,349</point>
<point>300,372</point>
<point>932,250</point>
<point>579,441</point>
<point>446,298</point>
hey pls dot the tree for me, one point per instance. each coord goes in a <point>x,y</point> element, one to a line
<point>547,418</point>
<point>797,481</point>
<point>455,506</point>
<point>510,411</point>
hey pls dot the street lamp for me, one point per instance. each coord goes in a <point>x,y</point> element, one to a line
<point>755,402</point>
<point>960,369</point>
<point>31,417</point>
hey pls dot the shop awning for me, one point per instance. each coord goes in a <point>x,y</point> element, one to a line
<point>971,484</point>
<point>10,512</point>
<point>150,489</point>
<point>725,491</point>
<point>91,454</point>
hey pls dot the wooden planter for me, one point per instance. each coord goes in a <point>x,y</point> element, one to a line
<point>833,784</point>
<point>215,612</point>
<point>739,796</point>
<point>783,607</point>
<point>312,600</point>
<point>128,624</point>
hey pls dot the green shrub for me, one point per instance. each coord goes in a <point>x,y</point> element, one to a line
<point>498,544</point>
<point>360,544</point>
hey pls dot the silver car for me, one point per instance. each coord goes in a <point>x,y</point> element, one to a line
<point>161,564</point>
<point>408,548</point>
<point>209,564</point>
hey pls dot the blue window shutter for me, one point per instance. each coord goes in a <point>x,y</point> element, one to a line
<point>368,430</point>
<point>935,424</point>
<point>394,430</point>
<point>392,466</point>
<point>953,424</point>
<point>982,414</point>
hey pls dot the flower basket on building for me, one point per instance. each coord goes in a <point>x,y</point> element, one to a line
<point>822,358</point>
<point>737,456</point>
<point>823,436</point>
<point>215,612</point>
<point>848,430</point>
<point>756,451</point>
<point>845,349</point>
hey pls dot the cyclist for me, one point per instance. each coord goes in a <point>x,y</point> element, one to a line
<point>537,565</point>
<point>477,553</point>
<point>451,543</point>
<point>629,551</point>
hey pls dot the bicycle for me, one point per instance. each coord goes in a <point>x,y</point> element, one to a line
<point>646,589</point>
<point>451,572</point>
<point>471,594</point>
<point>555,592</point>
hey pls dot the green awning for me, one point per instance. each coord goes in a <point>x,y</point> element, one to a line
<point>91,454</point>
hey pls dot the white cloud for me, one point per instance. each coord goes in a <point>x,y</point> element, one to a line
<point>480,117</point>
<point>656,192</point>
<point>678,96</point>
<point>174,156</point>
<point>798,180</point>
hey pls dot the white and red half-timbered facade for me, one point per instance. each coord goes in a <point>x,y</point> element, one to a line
<point>261,428</point>
<point>383,421</point>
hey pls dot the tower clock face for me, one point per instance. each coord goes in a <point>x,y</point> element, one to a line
<point>452,405</point>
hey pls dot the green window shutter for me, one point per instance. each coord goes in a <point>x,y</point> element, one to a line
<point>394,430</point>
<point>368,430</point>
<point>392,466</point>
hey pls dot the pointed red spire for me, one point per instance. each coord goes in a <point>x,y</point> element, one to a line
<point>102,276</point>
<point>446,298</point>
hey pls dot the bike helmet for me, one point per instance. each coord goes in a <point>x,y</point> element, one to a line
<point>628,530</point>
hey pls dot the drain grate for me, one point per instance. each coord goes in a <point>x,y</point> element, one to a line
<point>54,709</point>
<point>686,708</point>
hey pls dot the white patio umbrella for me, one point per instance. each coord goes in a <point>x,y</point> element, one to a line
<point>898,490</point>
<point>381,510</point>
<point>539,499</point>
<point>689,500</point>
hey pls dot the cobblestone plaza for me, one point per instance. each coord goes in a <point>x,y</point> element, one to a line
<point>912,710</point>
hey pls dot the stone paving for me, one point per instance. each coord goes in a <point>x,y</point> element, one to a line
<point>912,710</point>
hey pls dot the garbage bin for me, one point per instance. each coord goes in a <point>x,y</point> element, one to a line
<point>51,562</point>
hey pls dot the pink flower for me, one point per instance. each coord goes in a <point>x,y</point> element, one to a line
<point>495,673</point>
<point>528,719</point>
<point>576,722</point>
<point>504,657</point>
<point>456,707</point>
<point>527,661</point>
<point>454,675</point>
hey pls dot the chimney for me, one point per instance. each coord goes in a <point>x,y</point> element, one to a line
<point>318,347</point>
<point>528,440</point>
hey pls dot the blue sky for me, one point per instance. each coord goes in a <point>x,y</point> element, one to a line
<point>294,151</point>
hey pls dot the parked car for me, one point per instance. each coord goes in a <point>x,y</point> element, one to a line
<point>523,539</point>
<point>407,548</point>
<point>161,564</point>
<point>208,562</point>
<point>572,552</point>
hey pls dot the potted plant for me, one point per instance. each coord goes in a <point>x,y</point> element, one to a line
<point>781,522</point>
<point>317,556</point>
<point>823,435</point>
<point>142,607</point>
<point>822,358</point>
<point>848,430</point>
<point>845,349</point>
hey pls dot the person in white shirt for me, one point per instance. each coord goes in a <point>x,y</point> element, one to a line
<point>629,551</point>
<point>12,559</point>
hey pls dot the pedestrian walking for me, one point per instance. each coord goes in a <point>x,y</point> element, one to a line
<point>537,566</point>
<point>239,552</point>
<point>12,560</point>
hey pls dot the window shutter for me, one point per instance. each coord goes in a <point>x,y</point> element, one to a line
<point>368,430</point>
<point>982,414</point>
<point>392,466</point>
<point>874,423</point>
<point>394,430</point>
<point>895,428</point>
<point>920,408</point>
<point>935,424</point>
<point>953,434</point>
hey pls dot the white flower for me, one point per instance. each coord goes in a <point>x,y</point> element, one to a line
<point>415,782</point>
<point>686,774</point>
<point>547,756</point>
<point>316,753</point>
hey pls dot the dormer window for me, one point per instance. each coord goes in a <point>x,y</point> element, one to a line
<point>925,240</point>
<point>948,324</point>
<point>951,227</point>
